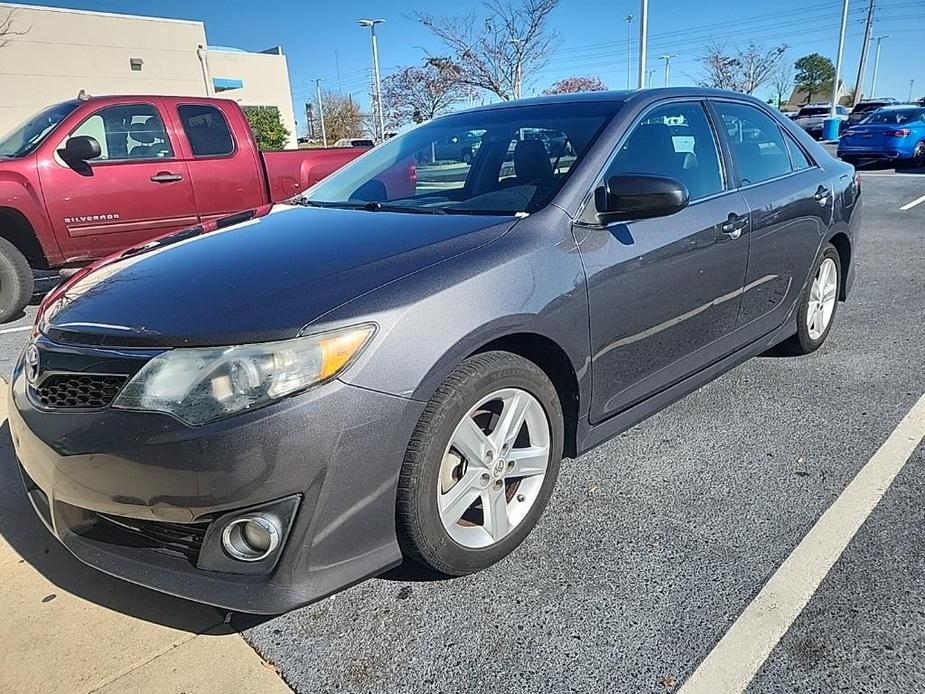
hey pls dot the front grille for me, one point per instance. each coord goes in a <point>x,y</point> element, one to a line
<point>176,538</point>
<point>78,391</point>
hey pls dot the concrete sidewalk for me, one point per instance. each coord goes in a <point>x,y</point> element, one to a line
<point>67,628</point>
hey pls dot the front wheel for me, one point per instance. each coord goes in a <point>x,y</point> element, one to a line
<point>818,304</point>
<point>481,464</point>
<point>16,281</point>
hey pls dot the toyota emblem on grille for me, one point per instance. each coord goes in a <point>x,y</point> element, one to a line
<point>32,364</point>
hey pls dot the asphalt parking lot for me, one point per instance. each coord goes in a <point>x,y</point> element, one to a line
<point>655,543</point>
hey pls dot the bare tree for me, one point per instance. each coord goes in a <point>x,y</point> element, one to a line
<point>502,50</point>
<point>415,94</point>
<point>782,81</point>
<point>7,32</point>
<point>743,70</point>
<point>342,117</point>
<point>572,85</point>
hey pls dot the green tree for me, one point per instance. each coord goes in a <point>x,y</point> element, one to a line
<point>815,74</point>
<point>267,126</point>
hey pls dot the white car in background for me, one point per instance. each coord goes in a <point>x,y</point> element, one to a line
<point>812,116</point>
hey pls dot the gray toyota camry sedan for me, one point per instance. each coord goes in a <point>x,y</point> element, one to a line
<point>259,412</point>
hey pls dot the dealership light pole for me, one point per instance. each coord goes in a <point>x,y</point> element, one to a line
<point>629,48</point>
<point>371,23</point>
<point>324,135</point>
<point>667,58</point>
<point>831,125</point>
<point>643,37</point>
<point>873,80</point>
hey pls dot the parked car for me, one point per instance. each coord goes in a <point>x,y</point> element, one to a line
<point>456,147</point>
<point>812,117</point>
<point>355,142</point>
<point>374,378</point>
<point>90,176</point>
<point>891,133</point>
<point>865,108</point>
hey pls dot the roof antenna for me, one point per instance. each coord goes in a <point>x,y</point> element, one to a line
<point>83,96</point>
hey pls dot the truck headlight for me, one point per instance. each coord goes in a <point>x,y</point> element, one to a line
<point>203,384</point>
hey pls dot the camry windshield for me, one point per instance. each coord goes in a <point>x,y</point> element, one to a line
<point>897,117</point>
<point>30,134</point>
<point>490,161</point>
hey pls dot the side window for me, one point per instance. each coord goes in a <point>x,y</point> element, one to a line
<point>798,159</point>
<point>127,132</point>
<point>207,130</point>
<point>756,141</point>
<point>676,141</point>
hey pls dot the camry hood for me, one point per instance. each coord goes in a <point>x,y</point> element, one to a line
<point>264,279</point>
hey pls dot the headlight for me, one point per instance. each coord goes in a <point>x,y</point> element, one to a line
<point>202,384</point>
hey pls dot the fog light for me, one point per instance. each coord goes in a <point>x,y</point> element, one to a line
<point>250,538</point>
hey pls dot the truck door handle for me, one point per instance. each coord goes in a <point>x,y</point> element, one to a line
<point>822,195</point>
<point>734,225</point>
<point>166,177</point>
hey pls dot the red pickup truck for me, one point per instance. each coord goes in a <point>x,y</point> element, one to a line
<point>91,176</point>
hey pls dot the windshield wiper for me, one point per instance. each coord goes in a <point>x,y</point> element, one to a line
<point>372,206</point>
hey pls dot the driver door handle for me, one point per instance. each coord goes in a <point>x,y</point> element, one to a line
<point>166,177</point>
<point>734,225</point>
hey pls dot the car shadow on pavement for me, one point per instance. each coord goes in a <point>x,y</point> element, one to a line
<point>22,530</point>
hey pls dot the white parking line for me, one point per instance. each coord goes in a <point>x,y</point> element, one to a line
<point>734,661</point>
<point>910,205</point>
<point>15,330</point>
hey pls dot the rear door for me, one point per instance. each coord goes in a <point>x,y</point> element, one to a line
<point>790,203</point>
<point>226,171</point>
<point>136,189</point>
<point>664,293</point>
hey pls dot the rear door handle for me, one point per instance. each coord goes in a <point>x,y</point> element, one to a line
<point>822,195</point>
<point>166,177</point>
<point>734,225</point>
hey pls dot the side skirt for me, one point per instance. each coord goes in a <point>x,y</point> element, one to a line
<point>589,436</point>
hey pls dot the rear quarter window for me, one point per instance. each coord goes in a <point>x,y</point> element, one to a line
<point>207,130</point>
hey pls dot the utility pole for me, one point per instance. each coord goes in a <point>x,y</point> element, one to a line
<point>309,121</point>
<point>859,82</point>
<point>667,58</point>
<point>371,23</point>
<point>643,38</point>
<point>873,80</point>
<point>911,85</point>
<point>324,135</point>
<point>629,49</point>
<point>831,126</point>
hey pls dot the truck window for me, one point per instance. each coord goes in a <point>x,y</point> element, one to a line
<point>127,132</point>
<point>207,130</point>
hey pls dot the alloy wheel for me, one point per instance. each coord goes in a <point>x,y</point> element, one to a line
<point>493,468</point>
<point>822,296</point>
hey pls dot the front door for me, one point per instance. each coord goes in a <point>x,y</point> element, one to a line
<point>664,293</point>
<point>135,189</point>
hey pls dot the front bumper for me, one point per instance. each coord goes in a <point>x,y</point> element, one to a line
<point>338,448</point>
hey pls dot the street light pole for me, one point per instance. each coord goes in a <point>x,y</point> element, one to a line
<point>873,80</point>
<point>629,49</point>
<point>667,58</point>
<point>371,23</point>
<point>832,125</point>
<point>643,38</point>
<point>324,135</point>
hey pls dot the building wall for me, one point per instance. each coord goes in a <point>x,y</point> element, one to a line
<point>63,51</point>
<point>265,77</point>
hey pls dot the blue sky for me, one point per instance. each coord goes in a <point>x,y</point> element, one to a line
<point>322,39</point>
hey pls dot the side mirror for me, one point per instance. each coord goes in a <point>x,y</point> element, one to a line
<point>80,149</point>
<point>639,196</point>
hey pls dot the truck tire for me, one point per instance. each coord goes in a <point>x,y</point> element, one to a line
<point>16,283</point>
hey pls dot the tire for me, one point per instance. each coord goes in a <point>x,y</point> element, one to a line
<point>917,160</point>
<point>811,334</point>
<point>16,283</point>
<point>434,467</point>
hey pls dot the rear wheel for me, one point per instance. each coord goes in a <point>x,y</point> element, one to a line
<point>16,283</point>
<point>481,464</point>
<point>917,160</point>
<point>820,300</point>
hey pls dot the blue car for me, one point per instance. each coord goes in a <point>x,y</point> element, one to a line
<point>891,133</point>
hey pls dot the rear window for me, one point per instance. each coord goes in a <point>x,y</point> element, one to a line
<point>814,111</point>
<point>898,117</point>
<point>207,130</point>
<point>870,106</point>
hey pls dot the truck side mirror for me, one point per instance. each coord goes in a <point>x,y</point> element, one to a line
<point>80,149</point>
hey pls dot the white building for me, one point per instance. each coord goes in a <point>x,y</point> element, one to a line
<point>51,54</point>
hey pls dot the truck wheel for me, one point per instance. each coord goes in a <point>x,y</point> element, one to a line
<point>16,283</point>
